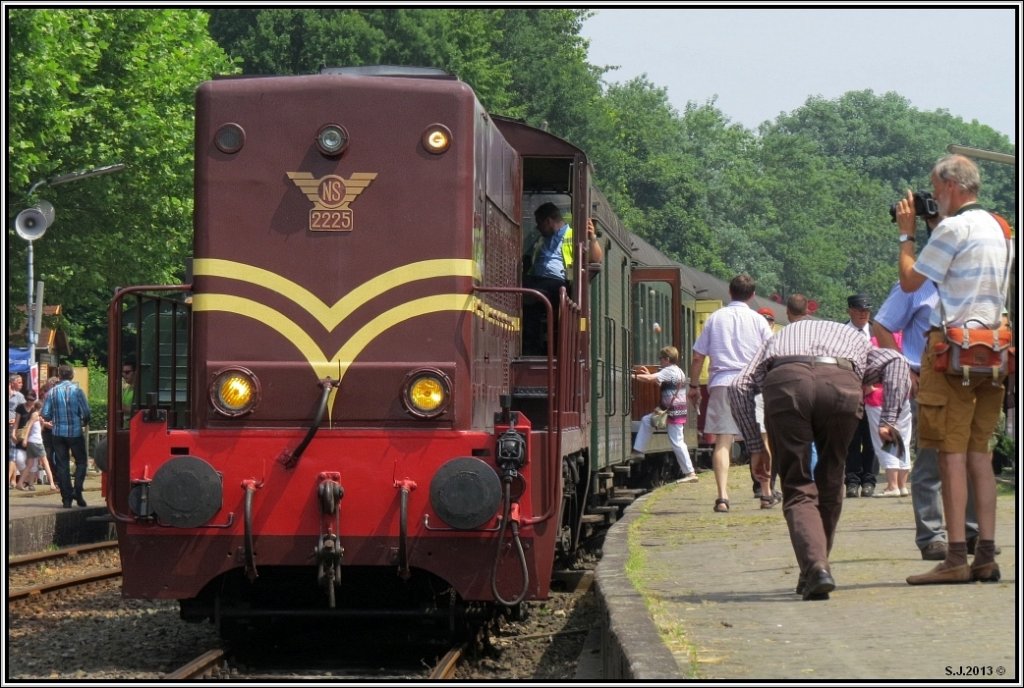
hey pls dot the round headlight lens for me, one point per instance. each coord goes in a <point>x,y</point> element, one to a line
<point>230,138</point>
<point>427,393</point>
<point>332,139</point>
<point>437,139</point>
<point>234,392</point>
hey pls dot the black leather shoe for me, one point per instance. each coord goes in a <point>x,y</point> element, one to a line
<point>66,505</point>
<point>867,491</point>
<point>81,502</point>
<point>852,491</point>
<point>818,585</point>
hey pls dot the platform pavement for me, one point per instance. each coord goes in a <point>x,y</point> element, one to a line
<point>691,594</point>
<point>37,521</point>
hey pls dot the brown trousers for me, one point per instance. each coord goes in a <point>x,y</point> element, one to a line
<point>807,403</point>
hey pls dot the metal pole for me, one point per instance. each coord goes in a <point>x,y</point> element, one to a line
<point>33,336</point>
<point>982,154</point>
<point>30,329</point>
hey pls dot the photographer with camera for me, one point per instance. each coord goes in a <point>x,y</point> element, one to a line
<point>968,258</point>
<point>910,313</point>
<point>925,207</point>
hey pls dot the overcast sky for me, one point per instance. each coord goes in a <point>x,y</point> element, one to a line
<point>762,62</point>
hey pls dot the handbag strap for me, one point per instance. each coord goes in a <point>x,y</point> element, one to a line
<point>1004,227</point>
<point>679,388</point>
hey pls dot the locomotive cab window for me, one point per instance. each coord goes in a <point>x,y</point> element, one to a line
<point>155,350</point>
<point>550,236</point>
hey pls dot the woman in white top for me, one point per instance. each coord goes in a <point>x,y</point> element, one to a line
<point>672,381</point>
<point>32,444</point>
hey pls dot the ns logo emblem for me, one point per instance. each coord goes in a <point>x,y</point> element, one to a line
<point>331,196</point>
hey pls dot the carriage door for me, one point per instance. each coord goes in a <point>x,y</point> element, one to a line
<point>657,323</point>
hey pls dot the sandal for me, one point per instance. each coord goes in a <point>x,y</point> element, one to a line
<point>769,502</point>
<point>724,504</point>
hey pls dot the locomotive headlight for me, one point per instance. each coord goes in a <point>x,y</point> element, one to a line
<point>437,139</point>
<point>234,392</point>
<point>230,138</point>
<point>332,139</point>
<point>426,393</point>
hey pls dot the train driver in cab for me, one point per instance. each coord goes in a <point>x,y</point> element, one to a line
<point>547,268</point>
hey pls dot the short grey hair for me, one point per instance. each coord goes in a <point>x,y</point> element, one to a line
<point>959,169</point>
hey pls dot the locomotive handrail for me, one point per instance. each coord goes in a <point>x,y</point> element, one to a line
<point>568,336</point>
<point>550,334</point>
<point>554,436</point>
<point>114,381</point>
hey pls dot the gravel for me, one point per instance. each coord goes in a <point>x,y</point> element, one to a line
<point>93,633</point>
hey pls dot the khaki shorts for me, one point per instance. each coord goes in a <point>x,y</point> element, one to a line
<point>719,420</point>
<point>952,417</point>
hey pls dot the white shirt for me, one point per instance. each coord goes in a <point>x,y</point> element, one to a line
<point>730,338</point>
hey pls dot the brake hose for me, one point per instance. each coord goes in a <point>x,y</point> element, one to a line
<point>519,548</point>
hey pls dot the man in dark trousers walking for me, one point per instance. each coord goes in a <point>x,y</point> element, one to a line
<point>812,374</point>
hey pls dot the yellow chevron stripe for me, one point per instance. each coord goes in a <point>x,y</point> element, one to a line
<point>274,319</point>
<point>331,316</point>
<point>399,314</point>
<point>343,359</point>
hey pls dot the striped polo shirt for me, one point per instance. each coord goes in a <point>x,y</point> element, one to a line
<point>820,338</point>
<point>967,259</point>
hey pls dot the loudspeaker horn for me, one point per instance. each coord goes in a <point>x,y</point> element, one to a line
<point>31,223</point>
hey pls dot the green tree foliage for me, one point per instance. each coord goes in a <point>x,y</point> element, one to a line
<point>886,139</point>
<point>89,88</point>
<point>554,85</point>
<point>801,204</point>
<point>867,150</point>
<point>302,41</point>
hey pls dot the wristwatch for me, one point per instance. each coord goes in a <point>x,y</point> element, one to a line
<point>904,237</point>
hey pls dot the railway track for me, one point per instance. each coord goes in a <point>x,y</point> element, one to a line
<point>63,584</point>
<point>21,564</point>
<point>65,553</point>
<point>215,663</point>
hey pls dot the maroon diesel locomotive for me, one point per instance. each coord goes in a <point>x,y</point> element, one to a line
<point>333,414</point>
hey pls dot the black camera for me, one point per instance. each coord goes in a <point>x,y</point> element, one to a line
<point>924,206</point>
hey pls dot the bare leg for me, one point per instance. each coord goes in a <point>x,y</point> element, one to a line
<point>720,461</point>
<point>49,473</point>
<point>953,472</point>
<point>983,483</point>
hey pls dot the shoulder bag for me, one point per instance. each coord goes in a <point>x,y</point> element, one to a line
<point>985,350</point>
<point>659,416</point>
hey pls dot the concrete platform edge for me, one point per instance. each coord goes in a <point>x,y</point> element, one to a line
<point>631,647</point>
<point>63,528</point>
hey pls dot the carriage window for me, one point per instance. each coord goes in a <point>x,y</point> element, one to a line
<point>652,319</point>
